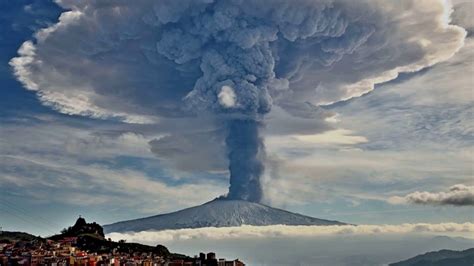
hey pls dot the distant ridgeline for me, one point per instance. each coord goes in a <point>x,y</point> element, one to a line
<point>441,258</point>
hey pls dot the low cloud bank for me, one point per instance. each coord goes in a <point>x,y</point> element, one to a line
<point>281,245</point>
<point>457,195</point>
<point>249,231</point>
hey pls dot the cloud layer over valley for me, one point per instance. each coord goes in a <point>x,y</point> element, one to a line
<point>313,245</point>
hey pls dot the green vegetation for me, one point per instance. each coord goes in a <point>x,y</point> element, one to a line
<point>8,237</point>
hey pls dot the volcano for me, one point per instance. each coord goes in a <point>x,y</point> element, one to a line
<point>218,213</point>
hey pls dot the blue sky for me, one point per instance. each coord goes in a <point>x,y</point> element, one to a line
<point>76,138</point>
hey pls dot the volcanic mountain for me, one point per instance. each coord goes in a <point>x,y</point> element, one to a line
<point>218,213</point>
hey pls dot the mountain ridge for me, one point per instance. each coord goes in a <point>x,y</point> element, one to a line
<point>444,257</point>
<point>218,213</point>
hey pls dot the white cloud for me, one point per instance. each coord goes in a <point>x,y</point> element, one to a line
<point>65,19</point>
<point>307,134</point>
<point>311,175</point>
<point>331,137</point>
<point>450,82</point>
<point>248,231</point>
<point>227,97</point>
<point>26,52</point>
<point>105,164</point>
<point>457,195</point>
<point>39,177</point>
<point>55,136</point>
<point>440,41</point>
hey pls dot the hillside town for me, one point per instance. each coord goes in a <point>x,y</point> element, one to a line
<point>84,245</point>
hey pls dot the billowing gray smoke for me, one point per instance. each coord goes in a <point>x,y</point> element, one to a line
<point>229,61</point>
<point>236,44</point>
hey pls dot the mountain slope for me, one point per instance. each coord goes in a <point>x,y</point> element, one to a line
<point>218,213</point>
<point>6,237</point>
<point>441,258</point>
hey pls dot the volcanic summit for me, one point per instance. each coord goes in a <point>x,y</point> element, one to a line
<point>218,213</point>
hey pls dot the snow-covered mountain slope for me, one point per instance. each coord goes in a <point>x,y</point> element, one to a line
<point>218,213</point>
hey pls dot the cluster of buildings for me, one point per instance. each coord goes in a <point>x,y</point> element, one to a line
<point>65,253</point>
<point>211,260</point>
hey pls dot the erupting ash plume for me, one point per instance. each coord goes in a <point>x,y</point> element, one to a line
<point>246,151</point>
<point>231,60</point>
<point>237,45</point>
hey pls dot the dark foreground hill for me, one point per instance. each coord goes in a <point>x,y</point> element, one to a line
<point>218,213</point>
<point>8,237</point>
<point>441,258</point>
<point>88,237</point>
<point>80,228</point>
